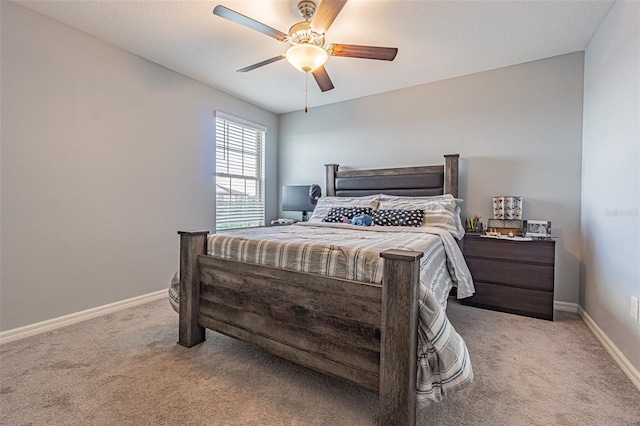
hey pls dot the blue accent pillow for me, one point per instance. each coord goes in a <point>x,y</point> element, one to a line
<point>362,220</point>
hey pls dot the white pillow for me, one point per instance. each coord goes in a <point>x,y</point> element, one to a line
<point>325,204</point>
<point>441,211</point>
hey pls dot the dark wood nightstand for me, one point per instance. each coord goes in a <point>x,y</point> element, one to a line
<point>511,276</point>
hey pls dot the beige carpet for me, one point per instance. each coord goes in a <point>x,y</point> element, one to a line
<point>125,369</point>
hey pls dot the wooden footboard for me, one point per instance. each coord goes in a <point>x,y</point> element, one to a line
<point>359,332</point>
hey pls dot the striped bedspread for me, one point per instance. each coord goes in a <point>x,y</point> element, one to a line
<point>353,252</point>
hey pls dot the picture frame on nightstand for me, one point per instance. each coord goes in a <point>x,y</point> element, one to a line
<point>538,228</point>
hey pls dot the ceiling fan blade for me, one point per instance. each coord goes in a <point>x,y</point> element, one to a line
<point>365,52</point>
<point>322,78</point>
<point>263,63</point>
<point>325,14</point>
<point>239,18</point>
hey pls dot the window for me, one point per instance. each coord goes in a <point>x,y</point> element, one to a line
<point>239,173</point>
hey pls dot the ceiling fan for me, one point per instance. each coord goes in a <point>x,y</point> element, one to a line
<point>307,51</point>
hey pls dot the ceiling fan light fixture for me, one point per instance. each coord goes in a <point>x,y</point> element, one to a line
<point>306,57</point>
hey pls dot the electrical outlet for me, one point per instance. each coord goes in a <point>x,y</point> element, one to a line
<point>634,308</point>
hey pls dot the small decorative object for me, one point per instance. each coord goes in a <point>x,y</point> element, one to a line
<point>513,207</point>
<point>507,207</point>
<point>361,220</point>
<point>538,228</point>
<point>473,225</point>
<point>498,207</point>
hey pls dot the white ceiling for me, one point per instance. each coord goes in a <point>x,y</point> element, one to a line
<point>435,40</point>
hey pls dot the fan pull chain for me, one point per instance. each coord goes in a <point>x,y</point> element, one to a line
<point>306,92</point>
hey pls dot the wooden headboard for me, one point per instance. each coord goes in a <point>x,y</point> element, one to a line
<point>416,181</point>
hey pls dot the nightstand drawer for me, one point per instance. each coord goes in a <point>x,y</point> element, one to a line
<point>533,303</point>
<point>542,251</point>
<point>524,275</point>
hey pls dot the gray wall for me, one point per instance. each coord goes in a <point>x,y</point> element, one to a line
<point>105,156</point>
<point>518,131</point>
<point>611,178</point>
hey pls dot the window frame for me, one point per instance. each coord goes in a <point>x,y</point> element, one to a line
<point>247,141</point>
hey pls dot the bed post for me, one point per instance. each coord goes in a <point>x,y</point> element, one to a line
<point>399,337</point>
<point>331,170</point>
<point>451,174</point>
<point>192,244</point>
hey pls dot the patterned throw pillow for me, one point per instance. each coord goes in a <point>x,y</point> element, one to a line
<point>325,203</point>
<point>398,217</point>
<point>336,214</point>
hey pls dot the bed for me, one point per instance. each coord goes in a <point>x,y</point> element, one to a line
<point>363,322</point>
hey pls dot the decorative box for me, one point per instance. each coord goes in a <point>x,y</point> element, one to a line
<point>505,226</point>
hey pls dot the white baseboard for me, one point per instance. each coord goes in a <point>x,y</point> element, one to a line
<point>618,357</point>
<point>63,321</point>
<point>565,306</point>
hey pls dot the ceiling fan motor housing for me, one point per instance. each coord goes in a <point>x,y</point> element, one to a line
<point>306,8</point>
<point>301,33</point>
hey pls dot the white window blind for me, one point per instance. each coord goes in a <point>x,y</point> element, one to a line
<point>239,173</point>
